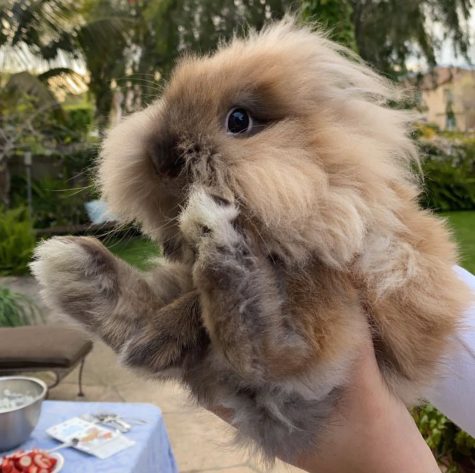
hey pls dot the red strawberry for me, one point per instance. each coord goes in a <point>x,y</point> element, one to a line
<point>7,466</point>
<point>41,461</point>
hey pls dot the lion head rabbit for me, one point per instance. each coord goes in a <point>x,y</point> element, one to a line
<point>277,179</point>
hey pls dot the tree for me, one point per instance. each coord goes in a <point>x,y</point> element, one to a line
<point>42,26</point>
<point>91,30</point>
<point>161,31</point>
<point>25,105</point>
<point>388,32</point>
<point>168,28</point>
<point>335,16</point>
<point>129,42</point>
<point>133,42</point>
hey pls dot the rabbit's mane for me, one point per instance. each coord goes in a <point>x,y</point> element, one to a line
<point>335,165</point>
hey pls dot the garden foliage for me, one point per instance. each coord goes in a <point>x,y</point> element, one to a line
<point>17,241</point>
<point>452,447</point>
<point>448,167</point>
<point>17,309</point>
<point>66,144</point>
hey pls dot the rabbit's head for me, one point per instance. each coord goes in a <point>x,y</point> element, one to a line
<point>293,126</point>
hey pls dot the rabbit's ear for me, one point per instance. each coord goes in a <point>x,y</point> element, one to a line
<point>175,332</point>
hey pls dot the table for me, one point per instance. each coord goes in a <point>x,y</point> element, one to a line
<point>151,453</point>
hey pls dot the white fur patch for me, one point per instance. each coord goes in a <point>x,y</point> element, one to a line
<point>57,254</point>
<point>55,265</point>
<point>203,212</point>
<point>388,263</point>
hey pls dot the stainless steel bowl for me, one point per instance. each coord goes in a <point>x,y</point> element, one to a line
<point>17,423</point>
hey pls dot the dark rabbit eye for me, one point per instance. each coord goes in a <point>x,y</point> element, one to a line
<point>238,121</point>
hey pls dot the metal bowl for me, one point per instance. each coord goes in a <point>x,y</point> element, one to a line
<point>17,423</point>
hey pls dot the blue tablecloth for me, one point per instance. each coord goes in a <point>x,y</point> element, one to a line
<point>150,454</point>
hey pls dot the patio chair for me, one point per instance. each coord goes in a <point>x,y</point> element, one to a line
<point>50,348</point>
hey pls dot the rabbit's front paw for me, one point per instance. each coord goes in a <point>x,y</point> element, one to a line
<point>223,256</point>
<point>78,277</point>
<point>209,217</point>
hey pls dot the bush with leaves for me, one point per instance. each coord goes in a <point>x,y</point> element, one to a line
<point>17,241</point>
<point>453,448</point>
<point>56,202</point>
<point>449,173</point>
<point>17,309</point>
<point>447,187</point>
<point>80,119</point>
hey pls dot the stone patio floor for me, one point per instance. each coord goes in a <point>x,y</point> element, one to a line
<point>200,440</point>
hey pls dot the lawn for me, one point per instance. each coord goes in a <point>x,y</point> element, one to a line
<point>138,251</point>
<point>463,225</point>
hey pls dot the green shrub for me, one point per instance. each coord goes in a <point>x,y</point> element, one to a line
<point>56,201</point>
<point>448,187</point>
<point>79,119</point>
<point>449,174</point>
<point>426,130</point>
<point>17,241</point>
<point>17,309</point>
<point>452,447</point>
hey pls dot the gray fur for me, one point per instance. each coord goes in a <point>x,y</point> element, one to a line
<point>226,339</point>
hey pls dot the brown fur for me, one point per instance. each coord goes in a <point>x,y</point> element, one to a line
<point>285,243</point>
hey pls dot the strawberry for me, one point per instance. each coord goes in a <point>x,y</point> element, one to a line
<point>24,462</point>
<point>41,461</point>
<point>7,466</point>
<point>33,461</point>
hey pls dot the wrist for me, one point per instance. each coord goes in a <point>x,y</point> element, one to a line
<point>386,441</point>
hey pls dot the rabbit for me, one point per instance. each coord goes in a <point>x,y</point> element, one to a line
<point>279,184</point>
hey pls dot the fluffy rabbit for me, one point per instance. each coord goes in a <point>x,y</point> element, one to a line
<point>277,180</point>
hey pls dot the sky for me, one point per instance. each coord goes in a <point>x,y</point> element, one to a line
<point>446,56</point>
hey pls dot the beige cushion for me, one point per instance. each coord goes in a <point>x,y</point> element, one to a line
<point>38,346</point>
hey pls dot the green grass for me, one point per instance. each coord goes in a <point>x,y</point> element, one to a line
<point>136,251</point>
<point>463,225</point>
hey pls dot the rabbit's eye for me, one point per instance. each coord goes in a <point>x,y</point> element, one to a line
<point>238,121</point>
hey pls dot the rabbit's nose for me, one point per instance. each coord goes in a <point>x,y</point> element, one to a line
<point>167,160</point>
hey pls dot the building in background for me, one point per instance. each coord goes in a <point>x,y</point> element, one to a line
<point>446,97</point>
